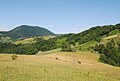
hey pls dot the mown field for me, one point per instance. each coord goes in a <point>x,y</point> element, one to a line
<point>60,66</point>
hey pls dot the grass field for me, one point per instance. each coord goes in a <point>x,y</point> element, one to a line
<point>108,38</point>
<point>88,46</point>
<point>25,41</point>
<point>60,66</point>
<point>114,32</point>
<point>31,40</point>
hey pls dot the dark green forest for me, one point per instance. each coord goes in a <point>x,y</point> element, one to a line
<point>25,31</point>
<point>30,49</point>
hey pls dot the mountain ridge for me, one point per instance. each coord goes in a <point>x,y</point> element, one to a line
<point>25,31</point>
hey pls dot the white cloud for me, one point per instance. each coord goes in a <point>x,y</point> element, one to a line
<point>2,29</point>
<point>50,26</point>
<point>74,29</point>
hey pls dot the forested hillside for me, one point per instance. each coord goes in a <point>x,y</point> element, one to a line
<point>25,31</point>
<point>110,52</point>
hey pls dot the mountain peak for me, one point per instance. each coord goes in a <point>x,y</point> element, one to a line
<point>25,31</point>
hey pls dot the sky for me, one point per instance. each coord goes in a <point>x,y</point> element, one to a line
<point>59,16</point>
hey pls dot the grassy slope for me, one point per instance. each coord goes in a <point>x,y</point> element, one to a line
<point>25,41</point>
<point>114,32</point>
<point>49,52</point>
<point>31,40</point>
<point>47,68</point>
<point>108,38</point>
<point>85,46</point>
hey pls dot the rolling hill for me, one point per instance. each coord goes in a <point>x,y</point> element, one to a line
<point>83,41</point>
<point>44,61</point>
<point>64,68</point>
<point>96,39</point>
<point>25,31</point>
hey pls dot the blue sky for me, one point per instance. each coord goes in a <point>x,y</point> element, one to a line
<point>59,16</point>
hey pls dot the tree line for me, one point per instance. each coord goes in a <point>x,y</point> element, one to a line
<point>41,45</point>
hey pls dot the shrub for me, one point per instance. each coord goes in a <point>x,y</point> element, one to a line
<point>79,62</point>
<point>57,58</point>
<point>14,57</point>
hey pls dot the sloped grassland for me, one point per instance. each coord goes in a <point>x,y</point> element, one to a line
<point>59,66</point>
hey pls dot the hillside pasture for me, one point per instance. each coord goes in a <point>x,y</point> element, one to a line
<point>64,68</point>
<point>31,40</point>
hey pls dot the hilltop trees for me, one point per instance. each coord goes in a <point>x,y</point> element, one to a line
<point>93,34</point>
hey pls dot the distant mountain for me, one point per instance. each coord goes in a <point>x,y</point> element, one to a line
<point>25,31</point>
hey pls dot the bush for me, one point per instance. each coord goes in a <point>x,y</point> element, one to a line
<point>57,58</point>
<point>79,62</point>
<point>14,57</point>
